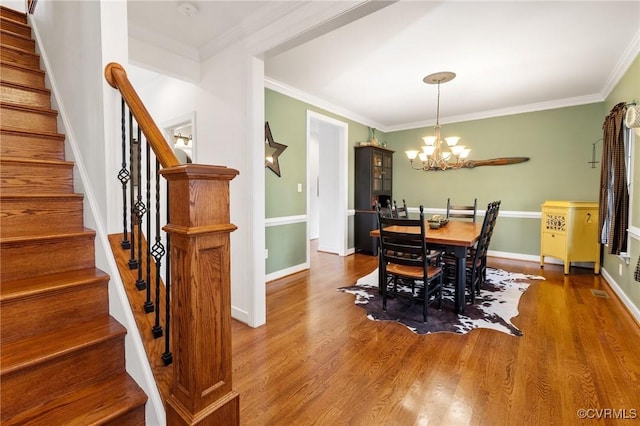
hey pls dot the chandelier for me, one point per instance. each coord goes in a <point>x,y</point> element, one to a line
<point>438,154</point>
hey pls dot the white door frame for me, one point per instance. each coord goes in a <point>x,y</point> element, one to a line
<point>342,190</point>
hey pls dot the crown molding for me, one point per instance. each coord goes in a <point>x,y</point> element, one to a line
<point>319,102</point>
<point>328,106</point>
<point>627,58</point>
<point>520,109</point>
<point>160,40</point>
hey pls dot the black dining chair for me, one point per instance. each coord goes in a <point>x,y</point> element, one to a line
<point>475,262</point>
<point>385,211</point>
<point>406,260</point>
<point>459,211</point>
<point>402,211</point>
<point>496,206</point>
<point>389,209</point>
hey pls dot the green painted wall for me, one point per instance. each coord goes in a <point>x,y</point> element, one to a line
<point>516,235</point>
<point>558,143</point>
<point>287,119</point>
<point>288,126</point>
<point>628,90</point>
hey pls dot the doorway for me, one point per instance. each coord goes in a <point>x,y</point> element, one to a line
<point>181,135</point>
<point>327,183</point>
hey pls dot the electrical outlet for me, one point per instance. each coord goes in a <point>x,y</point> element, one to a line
<point>620,269</point>
<point>266,253</point>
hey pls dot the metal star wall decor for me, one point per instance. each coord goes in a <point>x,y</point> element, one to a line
<point>273,150</point>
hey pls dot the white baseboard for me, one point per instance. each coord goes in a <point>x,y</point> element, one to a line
<point>287,271</point>
<point>633,309</point>
<point>327,250</point>
<point>240,315</point>
<point>517,256</point>
<point>535,258</point>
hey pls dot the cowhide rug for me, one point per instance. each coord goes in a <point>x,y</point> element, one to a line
<point>494,308</point>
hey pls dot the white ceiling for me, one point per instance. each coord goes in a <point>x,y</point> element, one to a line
<point>509,56</point>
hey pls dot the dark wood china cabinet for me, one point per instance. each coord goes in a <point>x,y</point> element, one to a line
<point>373,183</point>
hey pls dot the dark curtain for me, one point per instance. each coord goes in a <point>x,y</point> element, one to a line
<point>614,195</point>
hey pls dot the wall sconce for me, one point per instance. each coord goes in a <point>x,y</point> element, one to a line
<point>182,141</point>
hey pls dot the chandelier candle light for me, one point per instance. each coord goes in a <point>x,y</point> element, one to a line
<point>434,155</point>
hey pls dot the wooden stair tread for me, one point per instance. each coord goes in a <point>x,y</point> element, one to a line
<point>13,15</point>
<point>30,88</point>
<point>39,110</point>
<point>37,133</point>
<point>13,34</point>
<point>29,161</point>
<point>15,26</point>
<point>18,50</point>
<point>20,353</point>
<point>4,63</point>
<point>114,397</point>
<point>35,238</point>
<point>16,39</point>
<point>27,287</point>
<point>8,196</point>
<point>15,21</point>
<point>16,54</point>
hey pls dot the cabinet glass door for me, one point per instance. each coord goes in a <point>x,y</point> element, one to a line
<point>387,172</point>
<point>378,171</point>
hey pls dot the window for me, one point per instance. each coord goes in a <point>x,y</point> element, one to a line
<point>629,138</point>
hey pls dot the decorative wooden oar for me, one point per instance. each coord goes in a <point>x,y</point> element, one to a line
<point>495,162</point>
<point>469,164</point>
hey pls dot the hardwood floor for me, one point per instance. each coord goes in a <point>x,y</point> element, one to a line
<point>319,360</point>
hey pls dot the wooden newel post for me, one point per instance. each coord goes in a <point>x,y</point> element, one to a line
<point>199,226</point>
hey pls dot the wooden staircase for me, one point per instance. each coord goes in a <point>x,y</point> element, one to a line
<point>62,356</point>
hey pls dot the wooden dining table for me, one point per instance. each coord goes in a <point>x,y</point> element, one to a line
<point>456,237</point>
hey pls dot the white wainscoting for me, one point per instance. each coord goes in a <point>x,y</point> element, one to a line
<point>279,221</point>
<point>284,220</point>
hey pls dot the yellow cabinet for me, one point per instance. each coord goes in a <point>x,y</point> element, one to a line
<point>569,231</point>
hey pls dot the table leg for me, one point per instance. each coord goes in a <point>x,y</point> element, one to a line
<point>461,277</point>
<point>380,277</point>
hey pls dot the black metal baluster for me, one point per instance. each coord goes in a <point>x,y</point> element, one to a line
<point>124,177</point>
<point>139,209</point>
<point>158,251</point>
<point>167,357</point>
<point>133,263</point>
<point>148,304</point>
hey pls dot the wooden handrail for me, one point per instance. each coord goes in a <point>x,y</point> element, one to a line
<point>117,78</point>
